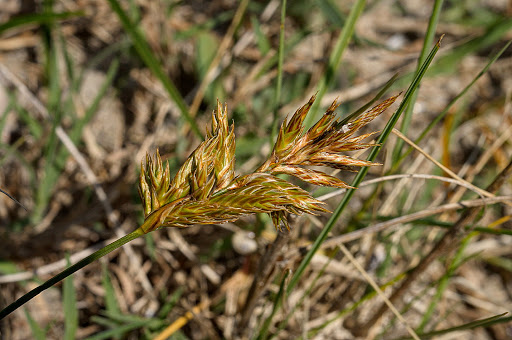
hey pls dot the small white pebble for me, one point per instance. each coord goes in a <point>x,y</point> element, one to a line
<point>396,42</point>
<point>244,243</point>
<point>345,128</point>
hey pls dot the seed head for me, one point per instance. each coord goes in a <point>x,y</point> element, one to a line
<point>206,191</point>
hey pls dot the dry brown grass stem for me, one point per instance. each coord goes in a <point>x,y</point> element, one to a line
<point>206,190</point>
<point>444,168</point>
<point>402,176</point>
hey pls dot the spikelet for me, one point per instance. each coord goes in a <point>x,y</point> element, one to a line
<point>206,191</point>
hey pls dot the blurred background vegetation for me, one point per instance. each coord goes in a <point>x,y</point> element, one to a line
<point>88,87</point>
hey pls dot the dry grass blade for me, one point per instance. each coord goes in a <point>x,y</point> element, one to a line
<point>206,191</point>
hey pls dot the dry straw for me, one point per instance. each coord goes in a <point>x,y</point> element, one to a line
<point>206,190</point>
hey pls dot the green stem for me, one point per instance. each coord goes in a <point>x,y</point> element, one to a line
<point>68,271</point>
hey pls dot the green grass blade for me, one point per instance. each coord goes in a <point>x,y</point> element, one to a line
<point>494,33</point>
<point>496,319</point>
<point>261,39</point>
<point>153,64</point>
<point>111,305</point>
<point>70,308</point>
<point>279,80</point>
<point>68,271</point>
<point>307,293</point>
<point>38,18</point>
<point>37,331</point>
<point>335,59</point>
<point>452,102</point>
<point>50,173</point>
<point>118,331</point>
<point>362,173</point>
<point>331,12</point>
<point>427,42</point>
<point>170,303</point>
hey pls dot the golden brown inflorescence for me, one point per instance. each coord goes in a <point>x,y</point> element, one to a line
<point>206,191</point>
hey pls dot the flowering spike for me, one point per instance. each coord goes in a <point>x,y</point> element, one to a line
<point>205,189</point>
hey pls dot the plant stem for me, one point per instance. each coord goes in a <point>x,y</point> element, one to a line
<point>68,271</point>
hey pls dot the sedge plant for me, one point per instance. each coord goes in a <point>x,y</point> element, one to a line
<point>206,190</point>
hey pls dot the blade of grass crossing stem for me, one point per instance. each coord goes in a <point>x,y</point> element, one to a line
<point>362,173</point>
<point>70,308</point>
<point>335,59</point>
<point>427,42</point>
<point>68,271</point>
<point>277,303</point>
<point>449,106</point>
<point>152,63</point>
<point>279,82</point>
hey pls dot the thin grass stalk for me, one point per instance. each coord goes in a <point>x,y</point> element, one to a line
<point>362,173</point>
<point>445,245</point>
<point>335,57</point>
<point>427,42</point>
<point>279,79</point>
<point>70,270</point>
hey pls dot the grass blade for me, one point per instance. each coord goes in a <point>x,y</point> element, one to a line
<point>37,331</point>
<point>429,39</point>
<point>335,58</point>
<point>279,83</point>
<point>152,63</point>
<point>499,318</point>
<point>38,18</point>
<point>70,308</point>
